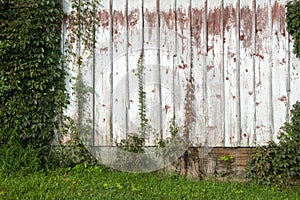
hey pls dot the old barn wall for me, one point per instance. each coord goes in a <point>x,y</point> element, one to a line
<point>223,66</point>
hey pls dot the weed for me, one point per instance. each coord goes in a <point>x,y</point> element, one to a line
<point>227,160</point>
<point>279,164</point>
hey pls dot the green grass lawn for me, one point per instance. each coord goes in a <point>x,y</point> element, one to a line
<point>100,183</point>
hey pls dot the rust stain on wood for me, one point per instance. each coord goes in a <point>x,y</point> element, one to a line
<point>242,37</point>
<point>169,18</point>
<point>183,66</point>
<point>209,48</point>
<point>151,18</point>
<point>103,17</point>
<point>262,24</point>
<point>214,21</point>
<point>197,23</point>
<point>209,67</point>
<point>166,108</point>
<point>119,19</point>
<point>278,16</point>
<point>182,19</point>
<point>104,49</point>
<point>167,71</point>
<point>260,56</point>
<point>282,98</point>
<point>133,17</point>
<point>229,17</point>
<point>246,26</point>
<point>282,62</point>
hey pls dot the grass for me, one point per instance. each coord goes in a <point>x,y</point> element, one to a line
<point>83,182</point>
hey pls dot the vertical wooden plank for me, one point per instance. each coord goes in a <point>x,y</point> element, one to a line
<point>179,66</point>
<point>135,47</point>
<point>279,64</point>
<point>85,99</point>
<point>83,76</point>
<point>198,24</point>
<point>184,65</point>
<point>119,70</point>
<point>215,81</point>
<point>102,78</point>
<point>247,71</point>
<point>80,84</point>
<point>263,74</point>
<point>152,70</point>
<point>167,55</point>
<point>231,73</point>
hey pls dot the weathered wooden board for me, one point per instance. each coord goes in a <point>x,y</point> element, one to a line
<point>152,73</point>
<point>263,73</point>
<point>135,39</point>
<point>167,51</point>
<point>215,77</point>
<point>247,72</point>
<point>198,60</point>
<point>279,48</point>
<point>103,72</point>
<point>223,68</point>
<point>120,53</point>
<point>231,60</point>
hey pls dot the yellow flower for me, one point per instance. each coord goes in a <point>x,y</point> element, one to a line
<point>119,186</point>
<point>105,185</point>
<point>238,191</point>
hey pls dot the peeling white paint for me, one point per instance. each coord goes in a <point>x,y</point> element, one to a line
<point>245,78</point>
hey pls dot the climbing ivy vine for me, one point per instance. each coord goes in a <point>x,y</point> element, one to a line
<point>293,23</point>
<point>82,22</point>
<point>32,80</point>
<point>33,73</point>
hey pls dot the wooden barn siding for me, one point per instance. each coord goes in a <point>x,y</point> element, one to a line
<point>234,54</point>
